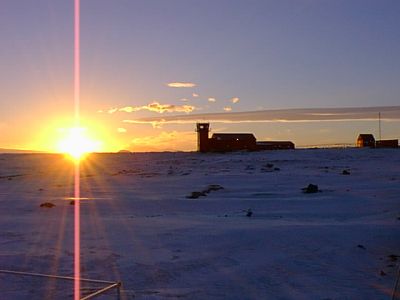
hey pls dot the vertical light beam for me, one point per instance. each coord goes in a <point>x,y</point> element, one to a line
<point>77,242</point>
<point>77,62</point>
<point>77,246</point>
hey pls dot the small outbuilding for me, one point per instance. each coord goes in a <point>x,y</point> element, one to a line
<point>366,140</point>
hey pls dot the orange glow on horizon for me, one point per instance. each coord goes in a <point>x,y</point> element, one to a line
<point>60,135</point>
<point>76,143</point>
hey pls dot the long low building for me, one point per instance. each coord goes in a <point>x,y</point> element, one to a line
<point>274,145</point>
<point>226,142</point>
<point>387,144</point>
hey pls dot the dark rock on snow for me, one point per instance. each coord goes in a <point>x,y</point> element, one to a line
<point>195,195</point>
<point>311,188</point>
<point>47,205</point>
<point>249,213</point>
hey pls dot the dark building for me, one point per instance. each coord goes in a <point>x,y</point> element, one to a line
<point>366,140</point>
<point>387,144</point>
<point>226,142</point>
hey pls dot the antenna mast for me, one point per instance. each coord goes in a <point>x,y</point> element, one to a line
<point>379,117</point>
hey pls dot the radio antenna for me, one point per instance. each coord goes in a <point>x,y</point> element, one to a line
<point>379,118</point>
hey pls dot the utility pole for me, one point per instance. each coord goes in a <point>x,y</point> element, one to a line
<point>379,117</point>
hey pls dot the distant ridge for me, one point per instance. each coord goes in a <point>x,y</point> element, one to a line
<point>4,151</point>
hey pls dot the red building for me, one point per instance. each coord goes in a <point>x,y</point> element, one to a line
<point>226,142</point>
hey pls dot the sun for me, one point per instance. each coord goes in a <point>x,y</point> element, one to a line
<point>76,143</point>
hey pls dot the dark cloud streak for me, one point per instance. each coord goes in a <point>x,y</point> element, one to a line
<point>283,115</point>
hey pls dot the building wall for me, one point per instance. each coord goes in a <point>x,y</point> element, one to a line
<point>232,145</point>
<point>273,145</point>
<point>387,144</point>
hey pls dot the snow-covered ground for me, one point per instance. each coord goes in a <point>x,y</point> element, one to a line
<point>138,225</point>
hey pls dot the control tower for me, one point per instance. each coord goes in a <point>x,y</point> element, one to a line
<point>202,130</point>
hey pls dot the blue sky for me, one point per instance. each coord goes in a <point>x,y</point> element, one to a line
<point>267,54</point>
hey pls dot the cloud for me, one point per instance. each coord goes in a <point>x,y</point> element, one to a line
<point>195,95</point>
<point>227,108</point>
<point>388,113</point>
<point>112,110</point>
<point>184,100</point>
<point>181,84</point>
<point>156,107</point>
<point>121,130</point>
<point>211,99</point>
<point>157,124</point>
<point>235,100</point>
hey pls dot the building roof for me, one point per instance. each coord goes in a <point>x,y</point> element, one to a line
<point>233,136</point>
<point>274,143</point>
<point>366,136</point>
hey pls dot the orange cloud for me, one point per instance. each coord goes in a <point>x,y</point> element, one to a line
<point>155,124</point>
<point>227,108</point>
<point>112,110</point>
<point>211,99</point>
<point>121,130</point>
<point>181,84</point>
<point>156,107</point>
<point>235,100</point>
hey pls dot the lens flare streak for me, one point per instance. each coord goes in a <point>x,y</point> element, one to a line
<point>77,241</point>
<point>77,250</point>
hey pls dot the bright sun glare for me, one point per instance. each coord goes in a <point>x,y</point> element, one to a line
<point>76,143</point>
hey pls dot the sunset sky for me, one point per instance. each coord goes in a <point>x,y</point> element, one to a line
<point>144,62</point>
